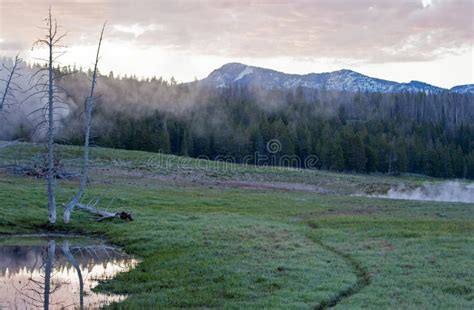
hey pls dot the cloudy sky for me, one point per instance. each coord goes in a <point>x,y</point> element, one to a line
<point>401,40</point>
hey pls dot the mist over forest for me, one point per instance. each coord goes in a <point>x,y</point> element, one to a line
<point>364,132</point>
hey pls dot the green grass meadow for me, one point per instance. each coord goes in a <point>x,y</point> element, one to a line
<point>202,245</point>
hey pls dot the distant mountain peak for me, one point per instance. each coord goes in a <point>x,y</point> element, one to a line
<point>418,83</point>
<point>232,66</point>
<point>345,71</point>
<point>236,73</point>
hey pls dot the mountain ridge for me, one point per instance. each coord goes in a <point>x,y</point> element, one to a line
<point>240,74</point>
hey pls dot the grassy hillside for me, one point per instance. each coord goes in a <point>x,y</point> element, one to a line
<point>244,237</point>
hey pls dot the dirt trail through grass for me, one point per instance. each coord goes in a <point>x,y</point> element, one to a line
<point>363,277</point>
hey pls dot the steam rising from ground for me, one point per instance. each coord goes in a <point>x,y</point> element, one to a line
<point>448,192</point>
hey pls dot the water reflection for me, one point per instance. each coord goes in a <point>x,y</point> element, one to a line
<point>57,273</point>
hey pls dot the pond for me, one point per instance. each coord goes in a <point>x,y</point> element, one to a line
<point>58,272</point>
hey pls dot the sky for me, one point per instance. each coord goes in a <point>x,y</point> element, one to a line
<point>400,40</point>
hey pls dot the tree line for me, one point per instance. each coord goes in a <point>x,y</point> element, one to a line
<point>363,132</point>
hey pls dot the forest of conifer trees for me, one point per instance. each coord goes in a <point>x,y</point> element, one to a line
<point>352,132</point>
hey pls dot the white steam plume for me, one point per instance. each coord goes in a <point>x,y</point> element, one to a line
<point>451,191</point>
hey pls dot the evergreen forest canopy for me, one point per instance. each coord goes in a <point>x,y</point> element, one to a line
<point>354,132</point>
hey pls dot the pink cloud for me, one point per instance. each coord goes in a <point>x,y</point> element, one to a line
<point>365,30</point>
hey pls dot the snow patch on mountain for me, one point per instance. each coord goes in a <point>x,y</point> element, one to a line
<point>246,71</point>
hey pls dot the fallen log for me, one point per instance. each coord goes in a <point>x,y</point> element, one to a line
<point>10,143</point>
<point>104,215</point>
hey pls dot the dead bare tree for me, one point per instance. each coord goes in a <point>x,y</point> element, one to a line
<point>87,130</point>
<point>11,87</point>
<point>8,96</point>
<point>51,42</point>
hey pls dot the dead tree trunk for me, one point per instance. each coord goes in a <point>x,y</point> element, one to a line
<point>104,215</point>
<point>51,180</point>
<point>87,130</point>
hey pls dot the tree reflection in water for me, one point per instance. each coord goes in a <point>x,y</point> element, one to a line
<point>58,273</point>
